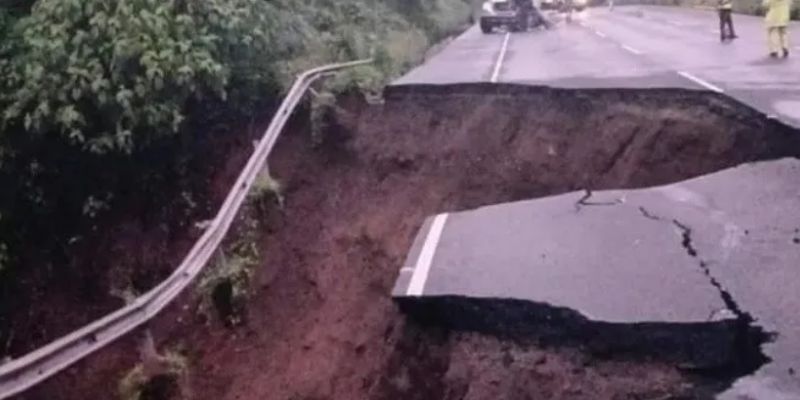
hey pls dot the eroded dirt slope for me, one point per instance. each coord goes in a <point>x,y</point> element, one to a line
<point>321,324</point>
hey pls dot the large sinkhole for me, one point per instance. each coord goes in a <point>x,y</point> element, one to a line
<point>357,195</point>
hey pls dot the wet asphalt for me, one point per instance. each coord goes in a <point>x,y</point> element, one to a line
<point>630,47</point>
<point>722,246</point>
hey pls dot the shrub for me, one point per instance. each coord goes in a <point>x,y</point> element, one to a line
<point>112,76</point>
<point>105,102</point>
<point>140,384</point>
<point>100,101</point>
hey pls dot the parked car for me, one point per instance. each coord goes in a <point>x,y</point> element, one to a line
<point>514,15</point>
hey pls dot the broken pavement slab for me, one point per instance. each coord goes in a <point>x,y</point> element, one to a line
<point>699,253</point>
<point>593,259</point>
<point>745,226</point>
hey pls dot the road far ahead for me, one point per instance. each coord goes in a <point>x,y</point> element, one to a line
<point>630,47</point>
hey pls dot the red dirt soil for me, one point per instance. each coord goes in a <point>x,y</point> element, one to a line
<point>320,323</point>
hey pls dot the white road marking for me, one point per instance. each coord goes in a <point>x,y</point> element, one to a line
<point>631,49</point>
<point>423,267</point>
<point>499,63</point>
<point>601,34</point>
<point>674,23</point>
<point>701,82</point>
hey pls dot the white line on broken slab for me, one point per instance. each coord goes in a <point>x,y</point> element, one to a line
<point>601,34</point>
<point>701,82</point>
<point>499,63</point>
<point>423,267</point>
<point>631,49</point>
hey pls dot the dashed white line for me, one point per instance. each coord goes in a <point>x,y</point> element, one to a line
<point>499,63</point>
<point>423,267</point>
<point>601,34</point>
<point>701,82</point>
<point>631,49</point>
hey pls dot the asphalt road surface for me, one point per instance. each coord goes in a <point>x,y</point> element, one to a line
<point>712,248</point>
<point>630,47</point>
<point>726,244</point>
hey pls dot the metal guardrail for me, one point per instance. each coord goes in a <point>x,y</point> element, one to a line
<point>24,372</point>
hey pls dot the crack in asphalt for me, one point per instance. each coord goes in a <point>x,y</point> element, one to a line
<point>727,298</point>
<point>583,201</point>
<point>688,245</point>
<point>691,250</point>
<point>749,336</point>
<point>647,214</point>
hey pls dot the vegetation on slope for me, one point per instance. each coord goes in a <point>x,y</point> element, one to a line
<point>103,102</point>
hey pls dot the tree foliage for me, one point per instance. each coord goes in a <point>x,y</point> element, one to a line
<point>112,75</point>
<point>102,100</point>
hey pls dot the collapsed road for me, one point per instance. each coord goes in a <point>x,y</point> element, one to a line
<point>592,268</point>
<point>694,272</point>
<point>320,321</point>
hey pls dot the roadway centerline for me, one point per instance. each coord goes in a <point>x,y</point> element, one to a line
<point>701,82</point>
<point>500,58</point>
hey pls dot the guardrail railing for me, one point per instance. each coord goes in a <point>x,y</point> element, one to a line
<point>25,372</point>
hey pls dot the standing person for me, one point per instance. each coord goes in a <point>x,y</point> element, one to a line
<point>726,20</point>
<point>777,20</point>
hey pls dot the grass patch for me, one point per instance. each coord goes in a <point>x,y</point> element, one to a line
<point>159,379</point>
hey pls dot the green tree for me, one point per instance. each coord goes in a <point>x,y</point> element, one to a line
<point>102,101</point>
<point>114,75</point>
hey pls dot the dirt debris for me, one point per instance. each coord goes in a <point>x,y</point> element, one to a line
<point>321,324</point>
<point>472,367</point>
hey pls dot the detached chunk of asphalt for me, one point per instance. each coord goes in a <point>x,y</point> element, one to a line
<point>596,270</point>
<point>625,280</point>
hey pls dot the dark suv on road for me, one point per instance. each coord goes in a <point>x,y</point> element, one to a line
<point>514,15</point>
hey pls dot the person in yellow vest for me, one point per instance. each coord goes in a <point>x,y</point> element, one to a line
<point>726,20</point>
<point>777,19</point>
